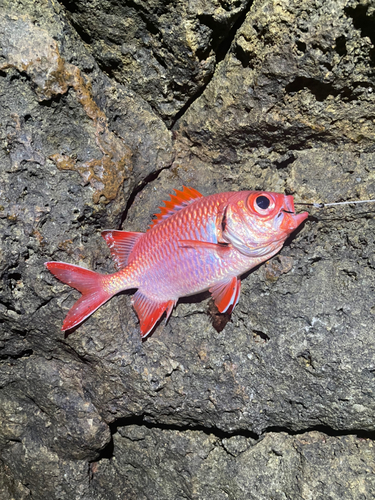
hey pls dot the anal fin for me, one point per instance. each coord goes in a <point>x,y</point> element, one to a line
<point>149,312</point>
<point>226,294</point>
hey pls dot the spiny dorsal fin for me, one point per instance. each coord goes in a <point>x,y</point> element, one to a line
<point>121,244</point>
<point>178,201</point>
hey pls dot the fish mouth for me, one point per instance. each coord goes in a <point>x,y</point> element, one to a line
<point>291,220</point>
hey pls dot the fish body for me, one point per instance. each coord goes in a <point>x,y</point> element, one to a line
<point>194,244</point>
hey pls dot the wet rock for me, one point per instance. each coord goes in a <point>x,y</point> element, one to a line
<point>297,74</point>
<point>166,53</point>
<point>208,404</point>
<point>171,464</point>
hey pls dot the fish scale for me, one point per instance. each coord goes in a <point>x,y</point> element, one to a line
<point>200,269</point>
<point>194,244</point>
<point>169,256</point>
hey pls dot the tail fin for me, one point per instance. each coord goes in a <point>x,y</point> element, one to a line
<point>87,282</point>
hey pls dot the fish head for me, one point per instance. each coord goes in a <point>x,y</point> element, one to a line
<point>258,222</point>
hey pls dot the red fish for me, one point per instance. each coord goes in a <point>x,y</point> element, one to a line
<point>195,243</point>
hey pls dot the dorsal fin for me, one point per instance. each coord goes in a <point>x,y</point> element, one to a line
<point>121,244</point>
<point>178,201</point>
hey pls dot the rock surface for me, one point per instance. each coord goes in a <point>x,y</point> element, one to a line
<point>165,51</point>
<point>192,464</point>
<point>105,108</point>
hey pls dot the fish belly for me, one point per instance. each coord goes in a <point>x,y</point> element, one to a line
<point>170,271</point>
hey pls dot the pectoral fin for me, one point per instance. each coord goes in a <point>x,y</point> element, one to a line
<point>204,245</point>
<point>226,294</point>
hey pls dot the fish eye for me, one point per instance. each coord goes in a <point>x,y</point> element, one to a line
<point>263,202</point>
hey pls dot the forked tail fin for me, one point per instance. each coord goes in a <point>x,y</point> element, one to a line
<point>89,283</point>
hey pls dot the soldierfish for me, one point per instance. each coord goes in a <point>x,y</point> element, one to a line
<point>195,243</point>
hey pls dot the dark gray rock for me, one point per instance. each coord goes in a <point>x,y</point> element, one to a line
<point>194,465</point>
<point>298,74</point>
<point>209,404</point>
<point>166,52</point>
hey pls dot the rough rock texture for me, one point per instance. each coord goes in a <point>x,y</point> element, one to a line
<point>164,51</point>
<point>192,464</point>
<point>105,108</point>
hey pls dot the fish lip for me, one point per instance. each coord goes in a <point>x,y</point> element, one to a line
<point>291,219</point>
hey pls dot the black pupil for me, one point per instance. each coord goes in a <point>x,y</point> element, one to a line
<point>263,202</point>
